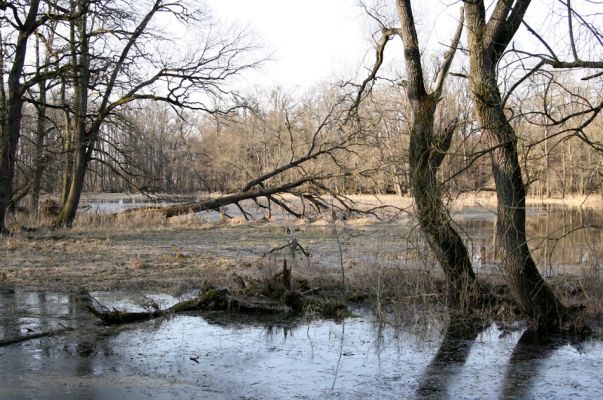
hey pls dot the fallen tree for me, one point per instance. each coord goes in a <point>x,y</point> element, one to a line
<point>236,198</point>
<point>277,295</point>
<point>312,195</point>
<point>291,303</point>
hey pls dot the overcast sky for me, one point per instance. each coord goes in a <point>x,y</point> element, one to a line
<point>322,40</point>
<point>310,40</point>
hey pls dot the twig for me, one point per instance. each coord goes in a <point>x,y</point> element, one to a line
<point>340,354</point>
<point>334,217</point>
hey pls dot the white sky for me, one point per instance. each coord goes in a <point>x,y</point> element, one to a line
<point>310,41</point>
<point>313,41</point>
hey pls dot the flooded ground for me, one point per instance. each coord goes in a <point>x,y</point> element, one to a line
<point>157,254</point>
<point>561,238</point>
<point>215,357</point>
<point>212,357</point>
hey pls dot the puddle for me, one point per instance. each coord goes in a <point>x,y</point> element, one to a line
<point>213,357</point>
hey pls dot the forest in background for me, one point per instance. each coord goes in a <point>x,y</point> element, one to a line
<point>156,136</point>
<point>149,147</point>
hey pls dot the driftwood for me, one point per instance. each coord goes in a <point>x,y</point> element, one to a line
<point>291,302</point>
<point>31,336</point>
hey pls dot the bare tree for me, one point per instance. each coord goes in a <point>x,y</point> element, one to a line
<point>279,152</point>
<point>44,54</point>
<point>488,41</point>
<point>23,18</point>
<point>114,64</point>
<point>427,151</point>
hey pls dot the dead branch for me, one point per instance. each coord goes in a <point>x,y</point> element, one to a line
<point>31,336</point>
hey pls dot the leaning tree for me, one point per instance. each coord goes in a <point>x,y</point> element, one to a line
<point>490,35</point>
<point>428,148</point>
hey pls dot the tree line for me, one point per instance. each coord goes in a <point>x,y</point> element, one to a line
<point>153,149</point>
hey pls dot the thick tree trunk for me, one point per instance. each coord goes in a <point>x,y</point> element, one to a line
<point>426,154</point>
<point>76,186</point>
<point>10,139</point>
<point>12,104</point>
<point>536,299</point>
<point>83,135</point>
<point>427,150</point>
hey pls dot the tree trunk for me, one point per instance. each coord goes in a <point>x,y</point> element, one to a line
<point>535,297</point>
<point>425,158</point>
<point>12,105</point>
<point>76,186</point>
<point>40,137</point>
<point>82,134</point>
<point>10,139</point>
<point>427,151</point>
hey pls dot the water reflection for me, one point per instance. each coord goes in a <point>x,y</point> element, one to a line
<point>215,357</point>
<point>449,360</point>
<point>25,312</point>
<point>563,240</point>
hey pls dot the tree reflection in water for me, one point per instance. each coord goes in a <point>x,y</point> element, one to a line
<point>526,363</point>
<point>452,354</point>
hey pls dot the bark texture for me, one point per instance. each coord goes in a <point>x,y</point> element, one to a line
<point>487,42</point>
<point>427,151</point>
<point>11,108</point>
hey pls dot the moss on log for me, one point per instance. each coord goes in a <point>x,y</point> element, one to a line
<point>224,300</point>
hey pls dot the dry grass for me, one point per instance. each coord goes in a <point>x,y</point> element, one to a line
<point>145,251</point>
<point>488,200</point>
<point>584,290</point>
<point>100,260</point>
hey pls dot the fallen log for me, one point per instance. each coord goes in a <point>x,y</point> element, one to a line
<point>116,317</point>
<point>223,300</point>
<point>31,336</point>
<point>213,204</point>
<point>210,300</point>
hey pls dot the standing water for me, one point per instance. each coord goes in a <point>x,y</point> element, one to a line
<point>213,357</point>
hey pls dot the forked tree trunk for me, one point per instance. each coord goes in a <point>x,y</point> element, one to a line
<point>427,151</point>
<point>76,185</point>
<point>426,154</point>
<point>82,134</point>
<point>536,299</point>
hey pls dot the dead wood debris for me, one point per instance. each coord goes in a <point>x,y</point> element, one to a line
<point>290,302</point>
<point>31,336</point>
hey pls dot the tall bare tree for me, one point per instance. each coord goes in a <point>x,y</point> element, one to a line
<point>489,38</point>
<point>427,151</point>
<point>114,64</point>
<point>23,18</point>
